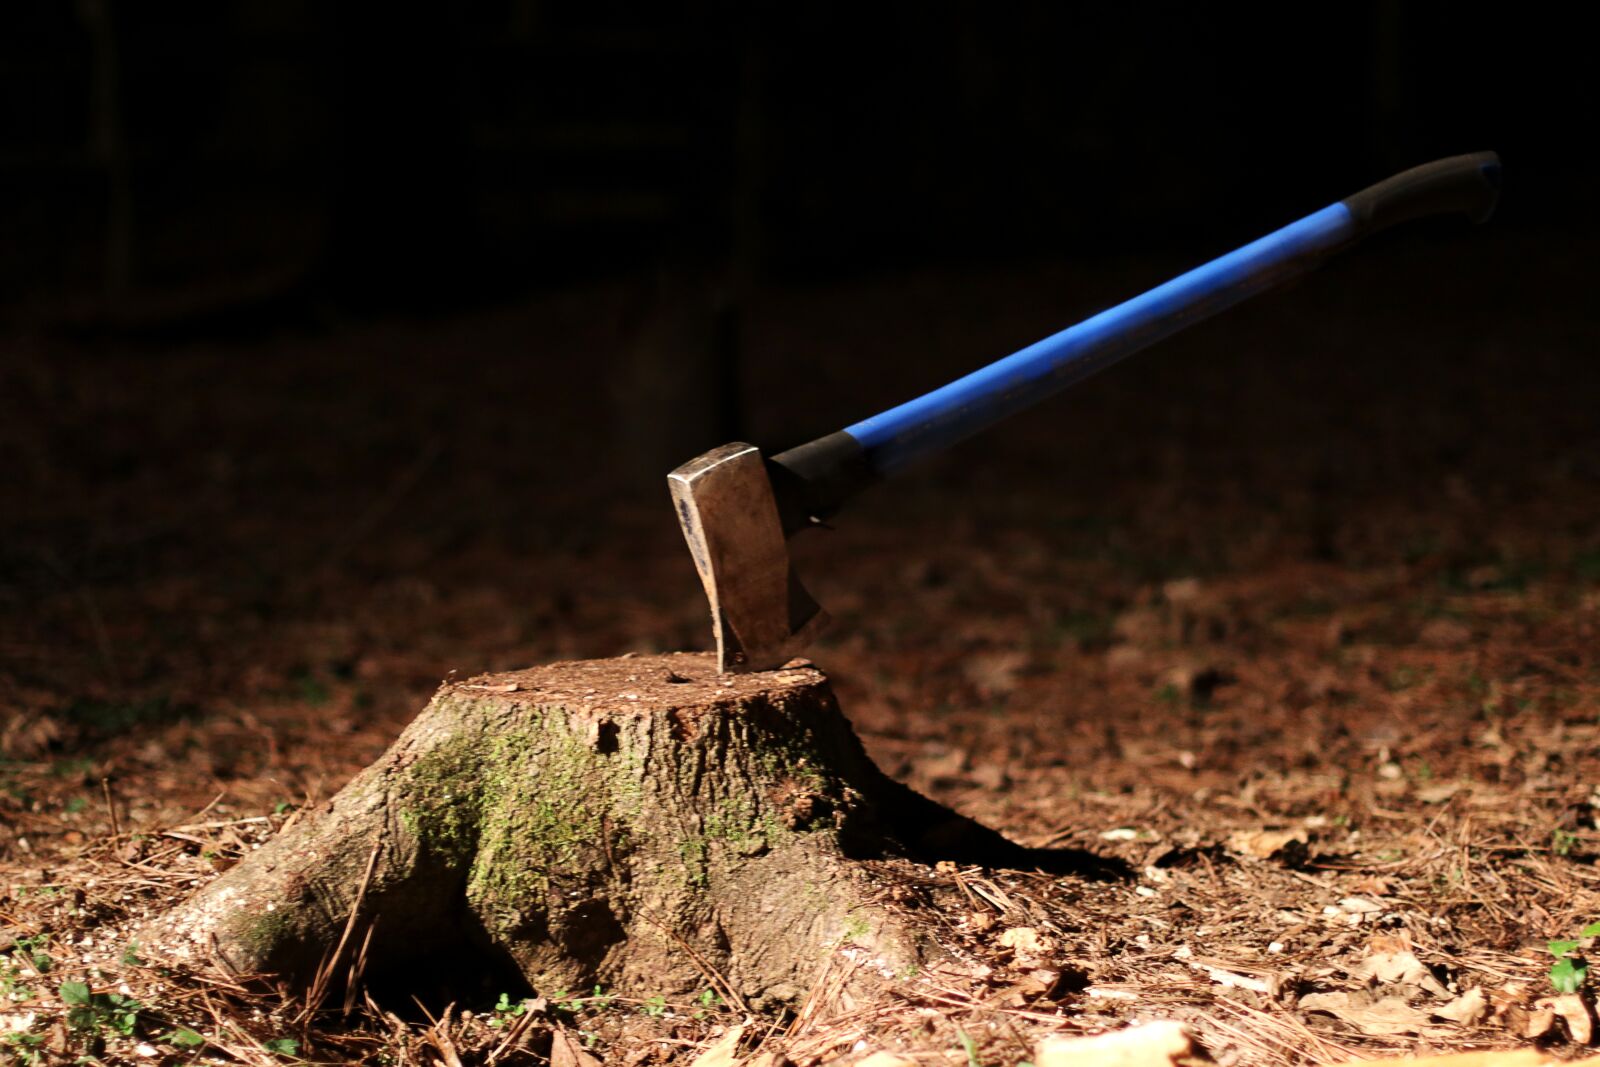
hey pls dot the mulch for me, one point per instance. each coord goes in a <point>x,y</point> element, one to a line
<point>1308,641</point>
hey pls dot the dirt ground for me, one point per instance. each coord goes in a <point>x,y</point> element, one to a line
<point>1296,615</point>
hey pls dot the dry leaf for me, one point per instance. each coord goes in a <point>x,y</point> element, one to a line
<point>1023,940</point>
<point>1437,793</point>
<point>1154,1044</point>
<point>1264,844</point>
<point>1574,1012</point>
<point>1235,980</point>
<point>1359,906</point>
<point>1392,961</point>
<point>1384,1016</point>
<point>995,673</point>
<point>1469,1009</point>
<point>1535,1021</point>
<point>722,1054</point>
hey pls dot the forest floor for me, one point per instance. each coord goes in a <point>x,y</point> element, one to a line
<point>1297,615</point>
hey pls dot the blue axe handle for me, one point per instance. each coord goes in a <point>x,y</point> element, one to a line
<point>813,480</point>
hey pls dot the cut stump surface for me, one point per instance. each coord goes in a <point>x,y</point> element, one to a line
<point>639,823</point>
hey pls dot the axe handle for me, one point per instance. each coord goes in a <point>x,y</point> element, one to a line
<point>813,480</point>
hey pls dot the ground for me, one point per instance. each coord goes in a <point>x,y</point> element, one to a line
<point>1296,615</point>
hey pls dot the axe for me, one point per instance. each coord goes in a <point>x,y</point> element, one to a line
<point>738,508</point>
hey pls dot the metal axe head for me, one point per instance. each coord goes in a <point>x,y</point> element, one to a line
<point>761,614</point>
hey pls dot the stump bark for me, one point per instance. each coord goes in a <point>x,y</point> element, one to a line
<point>634,823</point>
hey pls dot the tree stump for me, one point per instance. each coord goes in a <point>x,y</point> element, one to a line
<point>635,823</point>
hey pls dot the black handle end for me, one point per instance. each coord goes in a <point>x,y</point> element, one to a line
<point>1461,185</point>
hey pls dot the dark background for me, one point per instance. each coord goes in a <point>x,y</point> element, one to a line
<point>457,152</point>
<point>303,301</point>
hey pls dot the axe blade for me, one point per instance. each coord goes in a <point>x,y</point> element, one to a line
<point>761,614</point>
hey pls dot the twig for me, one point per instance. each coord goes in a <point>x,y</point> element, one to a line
<point>358,968</point>
<point>319,985</point>
<point>711,974</point>
<point>111,808</point>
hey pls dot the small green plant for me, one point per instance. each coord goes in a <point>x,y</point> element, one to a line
<point>25,1048</point>
<point>655,1007</point>
<point>30,950</point>
<point>709,1001</point>
<point>970,1047</point>
<point>282,1046</point>
<point>183,1037</point>
<point>131,957</point>
<point>505,1011</point>
<point>1570,969</point>
<point>1562,841</point>
<point>564,1003</point>
<point>76,804</point>
<point>89,1012</point>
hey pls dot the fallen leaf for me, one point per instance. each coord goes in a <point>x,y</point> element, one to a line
<point>1234,980</point>
<point>1536,1021</point>
<point>724,1052</point>
<point>1265,844</point>
<point>1023,940</point>
<point>1359,906</point>
<point>1574,1012</point>
<point>1154,1044</point>
<point>994,673</point>
<point>1392,962</point>
<point>1469,1009</point>
<point>1384,1016</point>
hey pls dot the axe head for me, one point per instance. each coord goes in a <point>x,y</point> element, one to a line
<point>759,611</point>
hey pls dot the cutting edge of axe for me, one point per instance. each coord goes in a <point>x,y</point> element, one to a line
<point>739,508</point>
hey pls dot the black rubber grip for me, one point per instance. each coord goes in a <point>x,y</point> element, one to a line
<point>1461,185</point>
<point>813,480</point>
